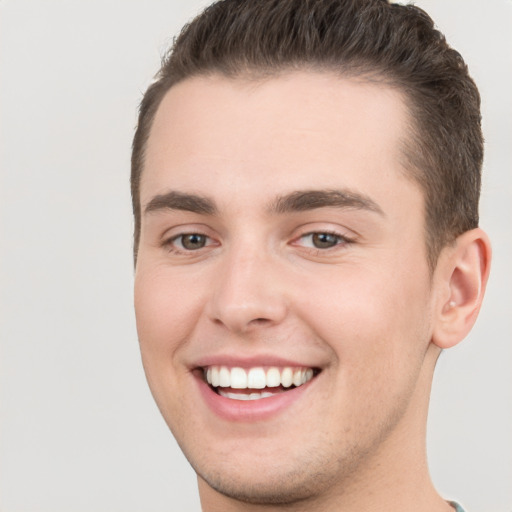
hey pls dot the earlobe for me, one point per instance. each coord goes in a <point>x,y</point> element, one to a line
<point>463,277</point>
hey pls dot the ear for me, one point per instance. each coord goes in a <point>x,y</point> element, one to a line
<point>460,278</point>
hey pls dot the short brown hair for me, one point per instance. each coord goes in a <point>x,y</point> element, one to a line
<point>391,43</point>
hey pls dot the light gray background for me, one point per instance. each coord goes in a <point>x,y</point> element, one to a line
<point>79,430</point>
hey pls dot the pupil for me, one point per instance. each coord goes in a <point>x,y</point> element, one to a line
<point>193,241</point>
<point>324,240</point>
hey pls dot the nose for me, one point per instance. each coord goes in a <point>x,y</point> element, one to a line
<point>247,293</point>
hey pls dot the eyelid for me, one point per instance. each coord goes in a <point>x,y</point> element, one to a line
<point>185,229</point>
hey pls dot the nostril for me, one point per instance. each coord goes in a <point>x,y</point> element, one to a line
<point>258,323</point>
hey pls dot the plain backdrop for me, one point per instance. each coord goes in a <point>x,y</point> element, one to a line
<point>79,430</point>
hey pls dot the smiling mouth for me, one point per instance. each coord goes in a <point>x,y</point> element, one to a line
<point>256,383</point>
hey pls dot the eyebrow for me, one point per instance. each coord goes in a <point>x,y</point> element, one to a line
<point>181,201</point>
<point>297,201</point>
<point>303,200</point>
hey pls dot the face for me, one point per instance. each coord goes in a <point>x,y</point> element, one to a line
<point>282,290</point>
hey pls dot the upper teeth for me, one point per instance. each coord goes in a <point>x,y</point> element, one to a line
<point>256,378</point>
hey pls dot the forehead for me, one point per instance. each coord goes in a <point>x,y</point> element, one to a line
<point>294,131</point>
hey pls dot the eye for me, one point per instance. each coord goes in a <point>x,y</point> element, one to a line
<point>322,240</point>
<point>190,241</point>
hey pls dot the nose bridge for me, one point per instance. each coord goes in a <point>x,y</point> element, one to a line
<point>246,290</point>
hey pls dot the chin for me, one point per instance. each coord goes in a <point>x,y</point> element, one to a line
<point>277,486</point>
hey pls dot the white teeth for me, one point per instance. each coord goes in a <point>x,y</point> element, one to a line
<point>215,376</point>
<point>243,396</point>
<point>287,377</point>
<point>297,377</point>
<point>224,377</point>
<point>238,379</point>
<point>274,377</point>
<point>256,378</point>
<point>233,396</point>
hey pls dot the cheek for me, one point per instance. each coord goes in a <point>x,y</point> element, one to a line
<point>379,329</point>
<point>166,311</point>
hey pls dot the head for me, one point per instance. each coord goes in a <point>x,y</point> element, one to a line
<point>305,186</point>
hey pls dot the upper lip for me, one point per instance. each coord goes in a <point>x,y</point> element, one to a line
<point>252,361</point>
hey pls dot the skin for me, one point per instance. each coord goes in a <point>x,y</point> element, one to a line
<point>366,311</point>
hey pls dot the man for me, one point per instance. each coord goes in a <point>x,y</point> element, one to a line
<point>305,183</point>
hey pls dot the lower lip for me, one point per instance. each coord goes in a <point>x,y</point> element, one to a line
<point>250,410</point>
